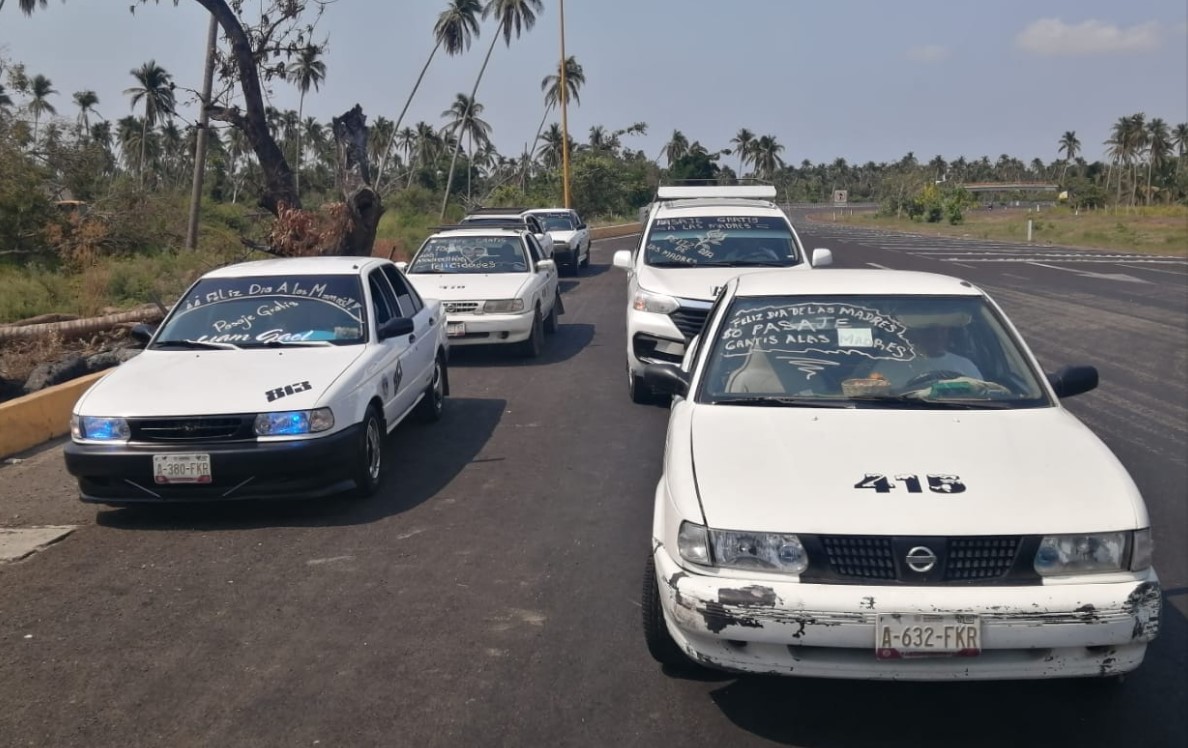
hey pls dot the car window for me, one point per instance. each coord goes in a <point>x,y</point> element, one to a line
<point>470,254</point>
<point>254,311</point>
<point>406,297</point>
<point>383,301</point>
<point>724,241</point>
<point>887,351</point>
<point>557,221</point>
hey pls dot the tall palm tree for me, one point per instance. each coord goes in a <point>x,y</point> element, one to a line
<point>307,71</point>
<point>575,78</point>
<point>1117,152</point>
<point>455,29</point>
<point>1159,149</point>
<point>1069,148</point>
<point>40,88</point>
<point>1180,141</point>
<point>512,17</point>
<point>550,148</point>
<point>155,89</point>
<point>467,125</point>
<point>767,157</point>
<point>676,147</point>
<point>85,101</point>
<point>743,141</point>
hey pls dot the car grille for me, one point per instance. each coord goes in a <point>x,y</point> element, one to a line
<point>882,559</point>
<point>689,320</point>
<point>461,307</point>
<point>196,429</point>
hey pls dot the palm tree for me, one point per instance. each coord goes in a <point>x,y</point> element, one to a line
<point>512,17</point>
<point>1180,141</point>
<point>550,149</point>
<point>1069,148</point>
<point>767,157</point>
<point>743,141</point>
<point>40,88</point>
<point>575,78</point>
<point>466,124</point>
<point>5,100</point>
<point>456,27</point>
<point>156,90</point>
<point>305,72</point>
<point>1159,149</point>
<point>1117,152</point>
<point>86,101</point>
<point>676,147</point>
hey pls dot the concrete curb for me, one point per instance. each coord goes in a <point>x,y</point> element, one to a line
<point>612,232</point>
<point>35,419</point>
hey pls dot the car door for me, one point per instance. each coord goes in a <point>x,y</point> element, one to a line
<point>544,280</point>
<point>423,341</point>
<point>396,353</point>
<point>542,237</point>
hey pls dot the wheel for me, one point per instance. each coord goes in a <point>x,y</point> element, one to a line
<point>369,457</point>
<point>432,405</point>
<point>575,265</point>
<point>550,323</point>
<point>534,345</point>
<point>586,260</point>
<point>660,643</point>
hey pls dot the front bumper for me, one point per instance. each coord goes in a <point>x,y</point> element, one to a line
<point>828,631</point>
<point>305,468</point>
<point>487,329</point>
<point>652,338</point>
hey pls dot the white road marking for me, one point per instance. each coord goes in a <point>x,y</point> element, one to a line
<point>877,265</point>
<point>1087,274</point>
<point>1154,270</point>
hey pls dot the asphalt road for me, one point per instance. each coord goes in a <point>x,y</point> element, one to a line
<point>489,594</point>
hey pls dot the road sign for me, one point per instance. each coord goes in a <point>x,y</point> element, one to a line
<point>840,197</point>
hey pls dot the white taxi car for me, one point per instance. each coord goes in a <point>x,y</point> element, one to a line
<point>868,475</point>
<point>270,379</point>
<point>696,239</point>
<point>570,234</point>
<point>494,282</point>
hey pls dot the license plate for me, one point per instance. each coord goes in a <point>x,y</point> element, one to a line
<point>182,469</point>
<point>455,329</point>
<point>912,635</point>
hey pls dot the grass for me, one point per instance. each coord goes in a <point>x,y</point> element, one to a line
<point>1161,230</point>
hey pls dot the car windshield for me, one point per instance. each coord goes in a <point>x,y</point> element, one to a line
<point>868,351</point>
<point>731,241</point>
<point>268,310</point>
<point>470,254</point>
<point>556,221</point>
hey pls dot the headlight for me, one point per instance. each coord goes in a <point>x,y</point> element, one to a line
<point>294,422</point>
<point>766,551</point>
<point>693,544</point>
<point>1081,554</point>
<point>99,428</point>
<point>646,301</point>
<point>503,306</point>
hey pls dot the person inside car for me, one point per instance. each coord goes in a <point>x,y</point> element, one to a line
<point>930,336</point>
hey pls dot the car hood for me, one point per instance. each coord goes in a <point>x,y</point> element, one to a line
<point>797,470</point>
<point>692,283</point>
<point>468,286</point>
<point>172,382</point>
<point>562,237</point>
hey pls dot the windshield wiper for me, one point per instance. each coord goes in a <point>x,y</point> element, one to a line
<point>297,343</point>
<point>785,402</point>
<point>205,345</point>
<point>744,264</point>
<point>923,402</point>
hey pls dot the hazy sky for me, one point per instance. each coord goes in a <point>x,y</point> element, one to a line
<point>862,79</point>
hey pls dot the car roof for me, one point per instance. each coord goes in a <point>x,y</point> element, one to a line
<point>841,282</point>
<point>331,265</point>
<point>718,207</point>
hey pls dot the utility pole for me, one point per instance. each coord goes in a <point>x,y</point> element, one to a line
<point>212,38</point>
<point>564,114</point>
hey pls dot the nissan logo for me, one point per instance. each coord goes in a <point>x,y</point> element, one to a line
<point>921,559</point>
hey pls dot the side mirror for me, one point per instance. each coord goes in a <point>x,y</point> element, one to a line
<point>142,333</point>
<point>1073,380</point>
<point>666,379</point>
<point>396,327</point>
<point>581,226</point>
<point>822,258</point>
<point>546,265</point>
<point>402,267</point>
<point>622,259</point>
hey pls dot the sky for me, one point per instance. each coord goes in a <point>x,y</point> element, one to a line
<point>857,79</point>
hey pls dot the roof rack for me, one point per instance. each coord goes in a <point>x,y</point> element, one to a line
<point>744,191</point>
<point>488,211</point>
<point>508,224</point>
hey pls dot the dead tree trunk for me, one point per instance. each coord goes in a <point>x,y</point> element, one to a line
<point>363,203</point>
<point>81,328</point>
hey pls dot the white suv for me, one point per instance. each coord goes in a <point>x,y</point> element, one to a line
<point>695,240</point>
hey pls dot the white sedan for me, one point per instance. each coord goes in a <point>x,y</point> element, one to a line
<point>868,475</point>
<point>495,284</point>
<point>571,236</point>
<point>271,379</point>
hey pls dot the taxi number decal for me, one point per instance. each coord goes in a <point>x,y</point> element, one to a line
<point>288,389</point>
<point>937,483</point>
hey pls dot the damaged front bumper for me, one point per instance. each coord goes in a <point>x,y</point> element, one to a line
<point>1054,630</point>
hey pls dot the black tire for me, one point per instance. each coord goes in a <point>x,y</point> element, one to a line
<point>575,265</point>
<point>432,405</point>
<point>533,347</point>
<point>550,322</point>
<point>586,262</point>
<point>660,643</point>
<point>369,459</point>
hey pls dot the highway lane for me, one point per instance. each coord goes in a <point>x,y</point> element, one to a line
<point>489,594</point>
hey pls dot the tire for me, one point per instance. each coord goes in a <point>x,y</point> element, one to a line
<point>550,322</point>
<point>369,460</point>
<point>586,262</point>
<point>533,347</point>
<point>660,643</point>
<point>575,265</point>
<point>432,405</point>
